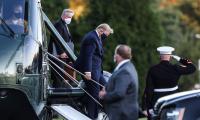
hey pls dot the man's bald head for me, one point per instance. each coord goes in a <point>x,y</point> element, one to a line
<point>124,51</point>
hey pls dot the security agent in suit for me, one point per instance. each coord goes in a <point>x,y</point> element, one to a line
<point>89,62</point>
<point>121,92</point>
<point>55,49</point>
<point>162,79</point>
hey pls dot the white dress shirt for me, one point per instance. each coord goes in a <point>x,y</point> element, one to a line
<point>121,63</point>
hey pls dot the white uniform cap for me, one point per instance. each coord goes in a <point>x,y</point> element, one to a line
<point>165,50</point>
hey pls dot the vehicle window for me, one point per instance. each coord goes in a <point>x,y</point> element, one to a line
<point>12,13</point>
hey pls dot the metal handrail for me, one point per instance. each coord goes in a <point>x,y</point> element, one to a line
<point>73,68</point>
<point>75,81</point>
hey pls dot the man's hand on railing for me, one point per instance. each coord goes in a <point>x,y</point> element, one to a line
<point>88,75</point>
<point>63,55</point>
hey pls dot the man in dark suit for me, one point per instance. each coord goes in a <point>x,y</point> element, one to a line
<point>55,49</point>
<point>162,78</point>
<point>89,62</point>
<point>121,92</point>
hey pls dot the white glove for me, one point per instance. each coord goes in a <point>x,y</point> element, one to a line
<point>176,57</point>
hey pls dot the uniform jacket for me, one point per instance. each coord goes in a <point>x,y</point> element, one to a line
<point>122,94</point>
<point>164,75</point>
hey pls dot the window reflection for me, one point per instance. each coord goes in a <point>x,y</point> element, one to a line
<point>12,11</point>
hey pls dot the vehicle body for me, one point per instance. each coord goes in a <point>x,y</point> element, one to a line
<point>24,68</point>
<point>179,106</point>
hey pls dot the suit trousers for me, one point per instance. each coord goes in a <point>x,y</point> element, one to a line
<point>93,89</point>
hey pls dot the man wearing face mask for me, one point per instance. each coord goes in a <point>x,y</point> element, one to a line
<point>16,20</point>
<point>62,26</point>
<point>89,62</point>
<point>17,17</point>
<point>120,95</point>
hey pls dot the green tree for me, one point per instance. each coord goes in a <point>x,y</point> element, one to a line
<point>53,8</point>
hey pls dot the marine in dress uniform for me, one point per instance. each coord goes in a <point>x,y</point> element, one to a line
<point>162,79</point>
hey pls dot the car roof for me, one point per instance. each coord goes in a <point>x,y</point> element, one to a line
<point>178,95</point>
<point>164,101</point>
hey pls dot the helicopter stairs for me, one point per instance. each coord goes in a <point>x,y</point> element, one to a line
<point>68,112</point>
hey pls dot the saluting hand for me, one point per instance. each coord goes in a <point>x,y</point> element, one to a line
<point>176,57</point>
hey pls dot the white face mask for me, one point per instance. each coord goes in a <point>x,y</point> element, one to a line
<point>68,20</point>
<point>15,21</point>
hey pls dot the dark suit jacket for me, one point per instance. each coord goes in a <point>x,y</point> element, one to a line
<point>91,55</point>
<point>121,100</point>
<point>64,32</point>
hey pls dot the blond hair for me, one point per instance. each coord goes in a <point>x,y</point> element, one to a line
<point>105,26</point>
